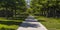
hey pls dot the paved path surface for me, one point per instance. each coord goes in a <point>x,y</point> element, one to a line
<point>31,24</point>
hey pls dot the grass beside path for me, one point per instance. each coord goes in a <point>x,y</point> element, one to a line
<point>50,23</point>
<point>9,24</point>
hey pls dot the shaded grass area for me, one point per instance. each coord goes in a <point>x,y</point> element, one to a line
<point>12,23</point>
<point>6,24</point>
<point>49,23</point>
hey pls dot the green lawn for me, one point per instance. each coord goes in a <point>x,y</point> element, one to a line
<point>9,24</point>
<point>50,23</point>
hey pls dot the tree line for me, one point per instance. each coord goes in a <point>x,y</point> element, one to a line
<point>9,8</point>
<point>13,8</point>
<point>47,8</point>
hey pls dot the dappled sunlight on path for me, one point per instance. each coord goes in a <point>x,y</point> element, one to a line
<point>31,24</point>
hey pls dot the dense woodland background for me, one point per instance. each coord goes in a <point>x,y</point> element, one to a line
<point>47,8</point>
<point>14,8</point>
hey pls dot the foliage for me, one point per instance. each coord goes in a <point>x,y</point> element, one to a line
<point>48,8</point>
<point>15,6</point>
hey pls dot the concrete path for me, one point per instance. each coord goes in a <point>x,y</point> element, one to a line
<point>31,24</point>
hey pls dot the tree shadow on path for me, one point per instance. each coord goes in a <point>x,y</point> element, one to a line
<point>26,25</point>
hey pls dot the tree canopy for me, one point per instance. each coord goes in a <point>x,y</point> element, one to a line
<point>48,8</point>
<point>14,6</point>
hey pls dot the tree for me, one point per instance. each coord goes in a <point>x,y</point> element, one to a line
<point>48,8</point>
<point>15,6</point>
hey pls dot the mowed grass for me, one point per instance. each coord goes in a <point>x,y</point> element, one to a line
<point>6,24</point>
<point>49,23</point>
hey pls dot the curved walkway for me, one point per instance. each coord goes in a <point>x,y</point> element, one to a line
<point>31,24</point>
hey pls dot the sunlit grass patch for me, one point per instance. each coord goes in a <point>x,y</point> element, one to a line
<point>6,24</point>
<point>50,23</point>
